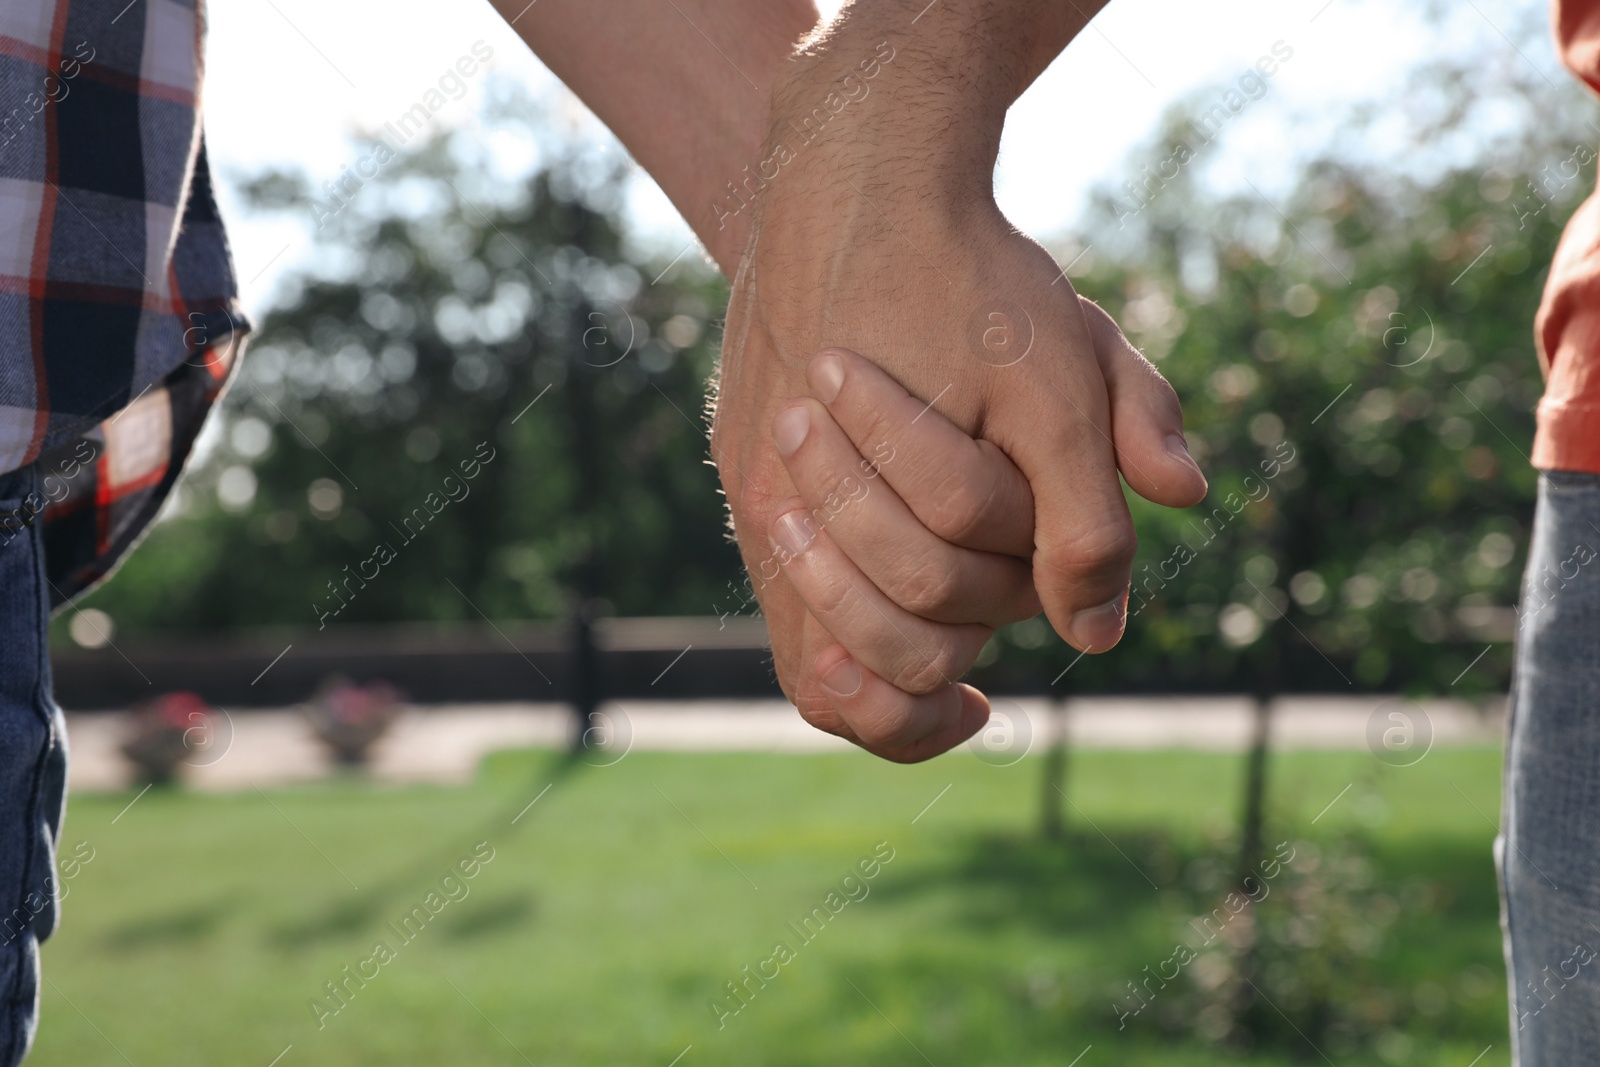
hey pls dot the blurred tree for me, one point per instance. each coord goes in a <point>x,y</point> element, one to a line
<point>474,386</point>
<point>1354,354</point>
<point>1357,368</point>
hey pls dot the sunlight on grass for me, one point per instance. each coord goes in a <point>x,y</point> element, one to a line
<point>615,911</point>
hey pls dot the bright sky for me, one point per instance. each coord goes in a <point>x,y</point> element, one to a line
<point>289,81</point>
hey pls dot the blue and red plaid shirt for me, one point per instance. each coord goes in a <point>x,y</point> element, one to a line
<point>119,314</point>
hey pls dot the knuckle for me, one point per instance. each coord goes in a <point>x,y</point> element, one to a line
<point>928,590</point>
<point>817,713</point>
<point>826,599</point>
<point>865,425</point>
<point>1163,398</point>
<point>887,729</point>
<point>931,670</point>
<point>959,508</point>
<point>1102,547</point>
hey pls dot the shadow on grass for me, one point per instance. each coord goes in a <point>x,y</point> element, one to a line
<point>183,926</point>
<point>1390,942</point>
<point>385,898</point>
<point>495,915</point>
<point>1083,882</point>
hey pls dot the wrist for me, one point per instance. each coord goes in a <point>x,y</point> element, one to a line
<point>947,72</point>
<point>886,107</point>
<point>903,101</point>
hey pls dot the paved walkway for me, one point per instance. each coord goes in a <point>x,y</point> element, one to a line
<point>445,744</point>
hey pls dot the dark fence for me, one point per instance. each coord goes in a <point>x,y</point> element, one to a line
<point>578,664</point>
<point>652,658</point>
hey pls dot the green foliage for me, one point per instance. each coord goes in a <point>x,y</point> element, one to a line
<point>1354,353</point>
<point>1377,328</point>
<point>1366,439</point>
<point>446,325</point>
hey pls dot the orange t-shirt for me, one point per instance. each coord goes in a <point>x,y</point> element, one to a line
<point>1567,328</point>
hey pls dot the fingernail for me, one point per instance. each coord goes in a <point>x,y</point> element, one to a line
<point>1097,629</point>
<point>826,375</point>
<point>793,532</point>
<point>1180,448</point>
<point>789,429</point>
<point>844,680</point>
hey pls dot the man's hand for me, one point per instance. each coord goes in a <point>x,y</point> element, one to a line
<point>881,548</point>
<point>871,225</point>
<point>873,228</point>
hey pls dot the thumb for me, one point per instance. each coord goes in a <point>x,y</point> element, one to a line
<point>1146,418</point>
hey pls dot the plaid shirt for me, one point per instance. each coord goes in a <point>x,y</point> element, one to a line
<point>119,318</point>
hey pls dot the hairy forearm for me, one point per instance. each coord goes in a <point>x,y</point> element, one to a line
<point>684,84</point>
<point>959,66</point>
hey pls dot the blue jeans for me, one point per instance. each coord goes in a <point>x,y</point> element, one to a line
<point>33,762</point>
<point>1549,849</point>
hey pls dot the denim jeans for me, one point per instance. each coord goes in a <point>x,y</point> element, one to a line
<point>1549,849</point>
<point>33,762</point>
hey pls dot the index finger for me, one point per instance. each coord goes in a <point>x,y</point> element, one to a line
<point>965,490</point>
<point>1052,416</point>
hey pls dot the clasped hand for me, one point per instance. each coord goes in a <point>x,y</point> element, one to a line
<point>920,426</point>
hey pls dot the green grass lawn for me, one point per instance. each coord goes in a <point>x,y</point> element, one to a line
<point>616,909</point>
